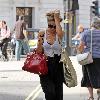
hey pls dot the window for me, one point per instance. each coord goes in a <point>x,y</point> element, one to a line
<point>27,13</point>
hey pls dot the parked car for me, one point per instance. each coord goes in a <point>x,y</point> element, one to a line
<point>32,38</point>
<point>32,44</point>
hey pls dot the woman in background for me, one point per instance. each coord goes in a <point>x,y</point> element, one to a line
<point>5,34</point>
<point>91,72</point>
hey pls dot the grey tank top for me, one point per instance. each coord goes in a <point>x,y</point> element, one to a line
<point>49,49</point>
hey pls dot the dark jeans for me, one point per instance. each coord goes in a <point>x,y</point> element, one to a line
<point>52,83</point>
<point>3,46</point>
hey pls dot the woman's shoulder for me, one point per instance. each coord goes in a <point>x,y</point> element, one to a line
<point>86,32</point>
<point>96,31</point>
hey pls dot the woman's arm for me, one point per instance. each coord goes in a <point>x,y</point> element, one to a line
<point>3,31</point>
<point>8,33</point>
<point>76,37</point>
<point>83,41</point>
<point>58,26</point>
<point>80,48</point>
<point>39,48</point>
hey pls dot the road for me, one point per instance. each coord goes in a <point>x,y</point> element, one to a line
<point>16,90</point>
<point>16,84</point>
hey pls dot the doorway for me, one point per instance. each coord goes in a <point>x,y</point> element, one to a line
<point>27,13</point>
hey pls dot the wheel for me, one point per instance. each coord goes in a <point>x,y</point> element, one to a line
<point>98,98</point>
<point>2,58</point>
<point>98,94</point>
<point>10,54</point>
<point>10,51</point>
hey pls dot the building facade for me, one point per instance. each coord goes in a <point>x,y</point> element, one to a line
<point>34,11</point>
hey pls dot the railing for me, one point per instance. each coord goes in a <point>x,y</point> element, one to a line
<point>32,30</point>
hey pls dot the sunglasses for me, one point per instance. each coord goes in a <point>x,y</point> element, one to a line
<point>49,20</point>
<point>52,26</point>
<point>41,35</point>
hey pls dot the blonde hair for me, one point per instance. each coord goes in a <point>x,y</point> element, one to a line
<point>80,26</point>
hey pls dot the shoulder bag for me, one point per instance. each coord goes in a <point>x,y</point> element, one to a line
<point>70,77</point>
<point>85,58</point>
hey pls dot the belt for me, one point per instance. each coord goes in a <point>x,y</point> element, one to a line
<point>56,56</point>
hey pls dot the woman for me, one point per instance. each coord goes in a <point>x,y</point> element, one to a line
<point>80,30</point>
<point>52,83</point>
<point>76,38</point>
<point>5,34</point>
<point>91,72</point>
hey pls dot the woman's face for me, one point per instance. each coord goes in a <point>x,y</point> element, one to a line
<point>52,27</point>
<point>80,28</point>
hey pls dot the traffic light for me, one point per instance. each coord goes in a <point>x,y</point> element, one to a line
<point>75,5</point>
<point>95,8</point>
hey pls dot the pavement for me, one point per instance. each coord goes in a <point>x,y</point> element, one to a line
<point>78,92</point>
<point>9,71</point>
<point>12,71</point>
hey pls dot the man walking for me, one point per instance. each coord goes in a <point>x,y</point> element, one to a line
<point>20,28</point>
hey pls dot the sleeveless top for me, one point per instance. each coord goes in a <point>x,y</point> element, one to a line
<point>52,49</point>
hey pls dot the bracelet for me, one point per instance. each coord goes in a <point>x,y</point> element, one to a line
<point>58,26</point>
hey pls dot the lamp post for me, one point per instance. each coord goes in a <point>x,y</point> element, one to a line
<point>67,17</point>
<point>65,29</point>
<point>69,11</point>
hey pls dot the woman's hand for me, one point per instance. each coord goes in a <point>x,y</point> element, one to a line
<point>41,37</point>
<point>39,45</point>
<point>57,23</point>
<point>40,42</point>
<point>57,15</point>
<point>80,48</point>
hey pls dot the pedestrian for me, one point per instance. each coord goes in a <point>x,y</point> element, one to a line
<point>80,29</point>
<point>76,38</point>
<point>5,37</point>
<point>98,93</point>
<point>91,72</point>
<point>49,43</point>
<point>20,29</point>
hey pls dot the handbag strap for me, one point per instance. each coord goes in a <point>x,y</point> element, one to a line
<point>91,43</point>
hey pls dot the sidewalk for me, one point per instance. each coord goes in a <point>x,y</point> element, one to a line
<point>78,92</point>
<point>12,71</point>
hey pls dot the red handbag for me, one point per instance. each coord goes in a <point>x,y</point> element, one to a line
<point>36,63</point>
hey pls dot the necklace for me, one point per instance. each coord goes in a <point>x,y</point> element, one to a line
<point>50,38</point>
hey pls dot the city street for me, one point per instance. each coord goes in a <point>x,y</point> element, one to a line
<point>16,90</point>
<point>70,24</point>
<point>16,84</point>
